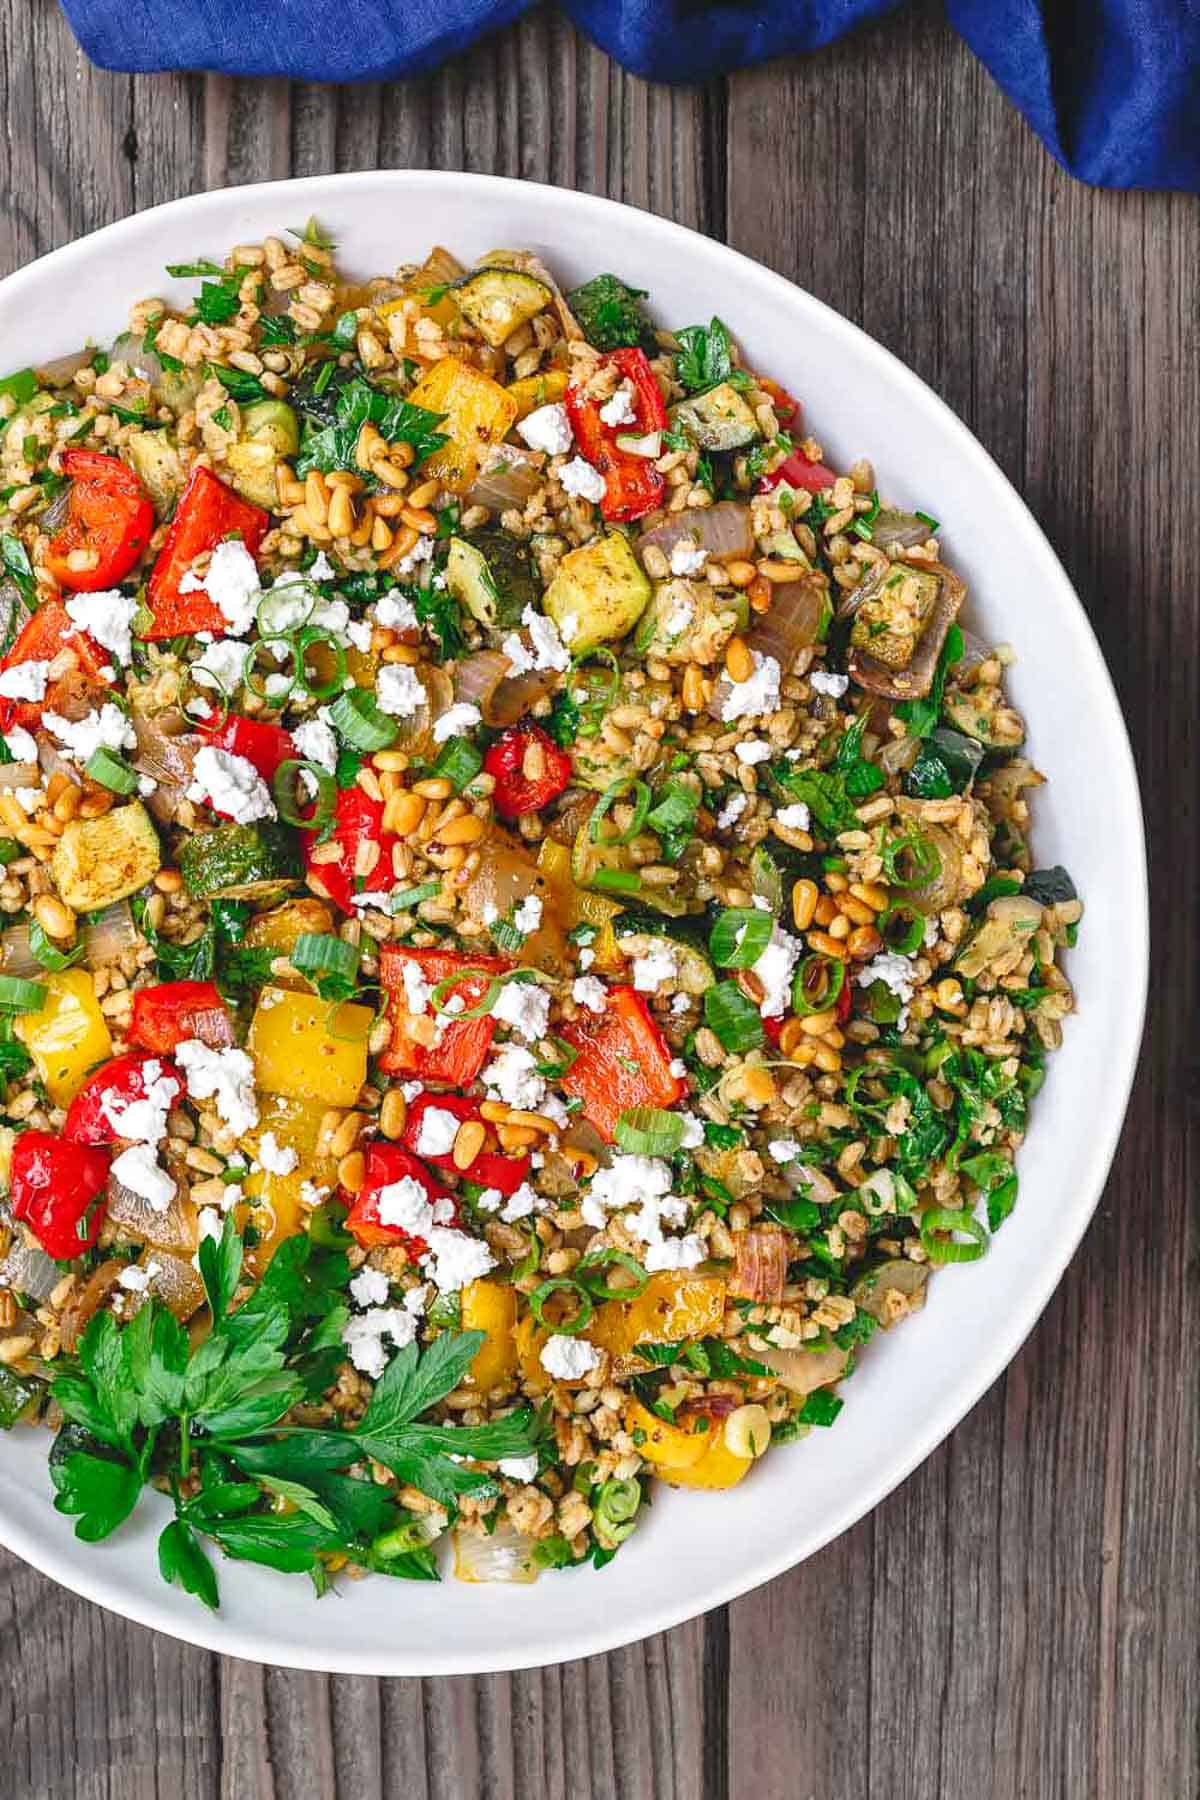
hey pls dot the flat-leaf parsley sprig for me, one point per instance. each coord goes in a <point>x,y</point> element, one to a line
<point>208,1424</point>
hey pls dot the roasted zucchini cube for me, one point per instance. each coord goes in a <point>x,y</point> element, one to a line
<point>893,612</point>
<point>497,301</point>
<point>598,594</point>
<point>102,860</point>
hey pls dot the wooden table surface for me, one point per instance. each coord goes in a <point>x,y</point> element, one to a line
<point>1020,1618</point>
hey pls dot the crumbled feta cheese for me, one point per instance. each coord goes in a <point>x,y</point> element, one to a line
<point>896,973</point>
<point>590,991</point>
<point>107,617</point>
<point>225,1076</point>
<point>221,664</point>
<point>795,817</point>
<point>377,902</point>
<point>421,552</point>
<point>519,1468</point>
<point>833,685</point>
<point>276,1158</point>
<point>751,751</point>
<point>549,652</point>
<point>568,1358</point>
<point>528,916</point>
<point>396,612</point>
<point>29,797</point>
<point>774,970</point>
<point>139,1170</point>
<point>732,810</point>
<point>24,681</point>
<point>459,718</point>
<point>359,632</point>
<point>548,429</point>
<point>628,1181</point>
<point>416,989</point>
<point>136,1279</point>
<point>314,740</point>
<point>231,785</point>
<point>580,478</point>
<point>678,1067</point>
<point>416,1299</point>
<point>932,931</point>
<point>620,409</point>
<point>757,695</point>
<point>320,568</point>
<point>675,1253</point>
<point>661,963</point>
<point>520,1203</point>
<point>400,691</point>
<point>363,1336</point>
<point>109,728</point>
<point>209,1224</point>
<point>311,1193</point>
<point>407,1206</point>
<point>680,1002</point>
<point>231,583</point>
<point>370,1287</point>
<point>490,1200</point>
<point>144,1120</point>
<point>587,957</point>
<point>519,660</point>
<point>455,1258</point>
<point>524,1008</point>
<point>439,1128</point>
<point>21,744</point>
<point>687,558</point>
<point>679,618</point>
<point>512,1075</point>
<point>693,1132</point>
<point>783,1150</point>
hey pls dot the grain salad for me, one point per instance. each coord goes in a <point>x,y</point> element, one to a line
<point>522,943</point>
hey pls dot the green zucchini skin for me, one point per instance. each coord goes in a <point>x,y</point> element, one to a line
<point>718,419</point>
<point>242,862</point>
<point>492,575</point>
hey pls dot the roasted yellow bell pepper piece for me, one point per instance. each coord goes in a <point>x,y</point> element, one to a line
<point>533,391</point>
<point>578,906</point>
<point>307,1049</point>
<point>666,1446</point>
<point>476,411</point>
<point>530,1337</point>
<point>68,1035</point>
<point>276,1209</point>
<point>491,1306</point>
<point>428,284</point>
<point>670,1308</point>
<point>280,928</point>
<point>718,1467</point>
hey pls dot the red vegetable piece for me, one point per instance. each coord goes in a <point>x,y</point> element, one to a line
<point>262,744</point>
<point>844,999</point>
<point>462,1046</point>
<point>623,1061</point>
<point>208,512</point>
<point>109,518</point>
<point>798,472</point>
<point>386,1165</point>
<point>357,820</point>
<point>517,793</point>
<point>122,1080</point>
<point>787,408</point>
<point>58,1191</point>
<point>166,1015</point>
<point>490,1168</point>
<point>633,486</point>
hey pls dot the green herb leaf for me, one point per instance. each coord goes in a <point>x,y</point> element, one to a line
<point>920,716</point>
<point>609,312</point>
<point>183,1563</point>
<point>99,1492</point>
<point>220,1262</point>
<point>705,357</point>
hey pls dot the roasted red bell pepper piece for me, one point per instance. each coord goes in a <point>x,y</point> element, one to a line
<point>44,634</point>
<point>167,1015</point>
<point>263,744</point>
<point>490,1169</point>
<point>109,516</point>
<point>386,1165</point>
<point>632,484</point>
<point>623,1061</point>
<point>798,472</point>
<point>207,514</point>
<point>118,1083</point>
<point>58,1190</point>
<point>843,1001</point>
<point>518,790</point>
<point>787,409</point>
<point>462,1045</point>
<point>357,821</point>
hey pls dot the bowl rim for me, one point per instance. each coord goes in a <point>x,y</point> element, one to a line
<point>596,1634</point>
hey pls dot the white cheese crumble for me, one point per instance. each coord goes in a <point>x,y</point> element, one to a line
<point>400,691</point>
<point>524,1008</point>
<point>405,1205</point>
<point>680,617</point>
<point>24,681</point>
<point>437,1133</point>
<point>675,1253</point>
<point>751,751</point>
<point>314,740</point>
<point>528,916</point>
<point>29,797</point>
<point>590,991</point>
<point>581,479</point>
<point>620,410</point>
<point>896,973</point>
<point>135,1280</point>
<point>21,744</point>
<point>363,1337</point>
<point>421,552</point>
<point>833,685</point>
<point>144,1120</point>
<point>732,811</point>
<point>231,583</point>
<point>139,1170</point>
<point>795,817</point>
<point>370,1287</point>
<point>221,664</point>
<point>396,612</point>
<point>107,617</point>
<point>568,1358</point>
<point>459,718</point>
<point>757,695</point>
<point>512,1076</point>
<point>774,969</point>
<point>521,1203</point>
<point>549,651</point>
<point>416,989</point>
<point>687,558</point>
<point>225,1076</point>
<point>276,1158</point>
<point>680,1002</point>
<point>783,1150</point>
<point>660,964</point>
<point>109,728</point>
<point>519,1468</point>
<point>519,660</point>
<point>548,429</point>
<point>231,785</point>
<point>455,1259</point>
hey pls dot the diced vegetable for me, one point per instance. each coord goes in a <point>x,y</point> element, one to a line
<point>58,1191</point>
<point>277,1209</point>
<point>491,1307</point>
<point>118,1083</point>
<point>308,1049</point>
<point>108,523</point>
<point>901,616</point>
<point>493,576</point>
<point>208,512</point>
<point>542,389</point>
<point>666,1446</point>
<point>358,833</point>
<point>633,486</point>
<point>386,1165</point>
<point>160,467</point>
<point>623,1061</point>
<point>599,593</point>
<point>529,771</point>
<point>67,1036</point>
<point>475,410</point>
<point>257,862</point>
<point>498,301</point>
<point>101,860</point>
<point>898,1276</point>
<point>669,1309</point>
<point>462,1047</point>
<point>280,928</point>
<point>718,1468</point>
<point>18,1395</point>
<point>717,420</point>
<point>489,1169</point>
<point>166,1015</point>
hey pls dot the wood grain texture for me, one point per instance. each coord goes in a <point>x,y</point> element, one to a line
<point>1018,1620</point>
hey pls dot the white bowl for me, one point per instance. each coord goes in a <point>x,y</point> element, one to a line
<point>694,1550</point>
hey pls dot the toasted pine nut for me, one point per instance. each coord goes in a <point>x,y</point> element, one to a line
<point>467,830</point>
<point>840,927</point>
<point>948,994</point>
<point>168,881</point>
<point>343,1140</point>
<point>740,572</point>
<point>856,911</point>
<point>871,893</point>
<point>352,1171</point>
<point>57,920</point>
<point>325,1130</point>
<point>803,1052</point>
<point>828,946</point>
<point>791,1035</point>
<point>817,1024</point>
<point>775,569</point>
<point>362,531</point>
<point>825,911</point>
<point>420,518</point>
<point>402,813</point>
<point>759,594</point>
<point>391,759</point>
<point>535,1121</point>
<point>829,1061</point>
<point>341,513</point>
<point>804,900</point>
<point>389,506</point>
<point>434,787</point>
<point>836,882</point>
<point>468,1142</point>
<point>494,1111</point>
<point>516,1137</point>
<point>393,1113</point>
<point>739,663</point>
<point>399,547</point>
<point>368,781</point>
<point>402,453</point>
<point>344,478</point>
<point>389,471</point>
<point>67,804</point>
<point>381,534</point>
<point>864,942</point>
<point>694,696</point>
<point>424,493</point>
<point>370,445</point>
<point>316,497</point>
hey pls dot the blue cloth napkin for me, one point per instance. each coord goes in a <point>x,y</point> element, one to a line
<point>1112,87</point>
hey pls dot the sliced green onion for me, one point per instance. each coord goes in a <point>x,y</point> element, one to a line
<point>48,953</point>
<point>320,690</point>
<point>413,896</point>
<point>357,719</point>
<point>926,520</point>
<point>614,1511</point>
<point>276,685</point>
<point>911,861</point>
<point>735,1020</point>
<point>817,983</point>
<point>597,703</point>
<point>459,762</point>
<point>902,928</point>
<point>111,771</point>
<point>614,792</point>
<point>283,788</point>
<point>324,953</point>
<point>572,1326</point>
<point>649,1131</point>
<point>820,1408</point>
<point>10,851</point>
<point>274,616</point>
<point>617,881</point>
<point>20,996</point>
<point>494,984</point>
<point>944,1219</point>
<point>740,936</point>
<point>587,1271</point>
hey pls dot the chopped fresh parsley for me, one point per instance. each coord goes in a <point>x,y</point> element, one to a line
<point>609,312</point>
<point>357,402</point>
<point>705,358</point>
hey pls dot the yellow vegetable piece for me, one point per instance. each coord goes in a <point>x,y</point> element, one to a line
<point>666,1446</point>
<point>537,390</point>
<point>362,666</point>
<point>306,1048</point>
<point>578,906</point>
<point>427,282</point>
<point>491,1306</point>
<point>276,1209</point>
<point>530,1337</point>
<point>283,925</point>
<point>602,588</point>
<point>717,1468</point>
<point>101,860</point>
<point>670,1308</point>
<point>476,412</point>
<point>68,1036</point>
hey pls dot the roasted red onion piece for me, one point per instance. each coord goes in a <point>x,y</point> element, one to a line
<point>760,1269</point>
<point>792,621</point>
<point>911,682</point>
<point>483,680</point>
<point>723,530</point>
<point>509,480</point>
